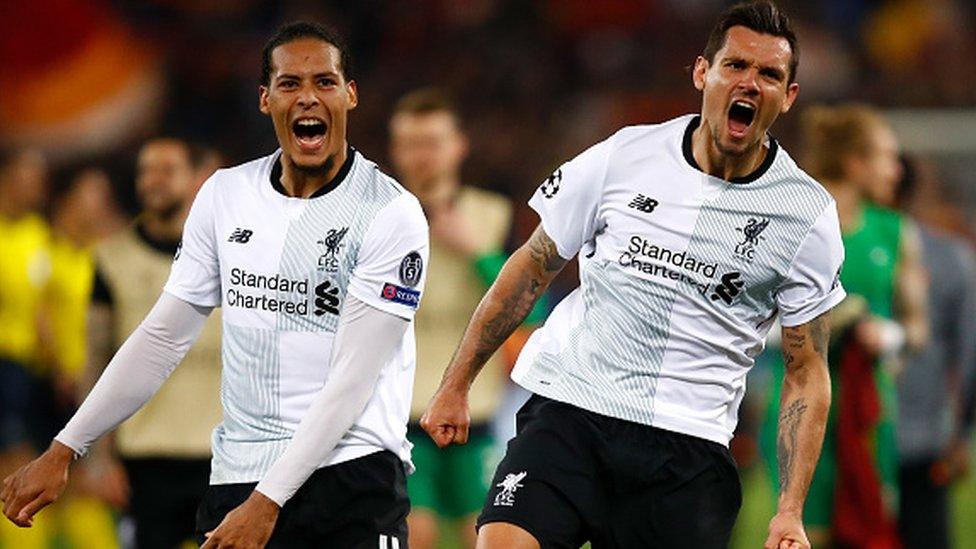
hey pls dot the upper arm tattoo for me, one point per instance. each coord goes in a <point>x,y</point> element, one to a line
<point>796,338</point>
<point>543,251</point>
<point>820,334</point>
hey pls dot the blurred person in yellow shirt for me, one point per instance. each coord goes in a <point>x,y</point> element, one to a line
<point>165,447</point>
<point>25,268</point>
<point>81,216</point>
<point>468,229</point>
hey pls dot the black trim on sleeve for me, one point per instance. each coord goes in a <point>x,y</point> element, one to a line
<point>340,176</point>
<point>101,293</point>
<point>163,246</point>
<point>756,174</point>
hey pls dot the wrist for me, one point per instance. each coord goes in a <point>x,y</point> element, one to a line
<point>456,385</point>
<point>61,453</point>
<point>790,508</point>
<point>263,503</point>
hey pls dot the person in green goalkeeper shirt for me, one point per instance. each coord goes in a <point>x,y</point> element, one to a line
<point>851,149</point>
<point>468,231</point>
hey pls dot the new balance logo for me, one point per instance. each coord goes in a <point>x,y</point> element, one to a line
<point>731,287</point>
<point>512,482</point>
<point>643,203</point>
<point>326,299</point>
<point>241,236</point>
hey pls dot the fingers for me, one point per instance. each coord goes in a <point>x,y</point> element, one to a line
<point>26,515</point>
<point>461,434</point>
<point>14,509</point>
<point>211,542</point>
<point>442,435</point>
<point>5,489</point>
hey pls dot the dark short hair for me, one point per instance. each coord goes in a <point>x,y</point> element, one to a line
<point>761,16</point>
<point>297,31</point>
<point>426,101</point>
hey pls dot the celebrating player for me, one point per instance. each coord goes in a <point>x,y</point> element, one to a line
<point>692,237</point>
<point>317,259</point>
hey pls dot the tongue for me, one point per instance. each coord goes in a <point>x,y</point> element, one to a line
<point>737,127</point>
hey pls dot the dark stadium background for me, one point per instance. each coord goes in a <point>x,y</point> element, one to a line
<point>87,81</point>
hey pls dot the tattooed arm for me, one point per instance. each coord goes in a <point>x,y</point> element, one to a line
<point>802,421</point>
<point>523,279</point>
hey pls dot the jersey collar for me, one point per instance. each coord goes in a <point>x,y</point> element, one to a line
<point>340,176</point>
<point>756,174</point>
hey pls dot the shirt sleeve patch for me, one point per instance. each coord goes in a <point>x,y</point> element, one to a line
<point>411,268</point>
<point>401,295</point>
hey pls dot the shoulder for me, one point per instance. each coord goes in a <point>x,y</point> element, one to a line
<point>36,226</point>
<point>117,241</point>
<point>484,199</point>
<point>644,134</point>
<point>393,205</point>
<point>791,179</point>
<point>252,173</point>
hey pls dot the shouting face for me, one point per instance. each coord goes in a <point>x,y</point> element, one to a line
<point>744,88</point>
<point>309,99</point>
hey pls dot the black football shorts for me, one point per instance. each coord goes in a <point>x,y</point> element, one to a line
<point>572,476</point>
<point>361,503</point>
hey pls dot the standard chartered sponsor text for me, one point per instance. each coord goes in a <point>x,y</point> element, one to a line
<point>652,259</point>
<point>290,304</point>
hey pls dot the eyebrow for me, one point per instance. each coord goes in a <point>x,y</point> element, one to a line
<point>298,77</point>
<point>778,72</point>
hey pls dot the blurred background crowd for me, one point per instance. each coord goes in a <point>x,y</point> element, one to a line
<point>88,88</point>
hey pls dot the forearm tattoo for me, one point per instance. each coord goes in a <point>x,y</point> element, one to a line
<point>786,440</point>
<point>510,300</point>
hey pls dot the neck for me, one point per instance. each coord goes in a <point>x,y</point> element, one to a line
<point>303,183</point>
<point>70,232</point>
<point>9,208</point>
<point>164,227</point>
<point>718,164</point>
<point>440,192</point>
<point>849,204</point>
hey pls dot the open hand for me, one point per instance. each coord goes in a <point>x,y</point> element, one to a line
<point>249,526</point>
<point>36,485</point>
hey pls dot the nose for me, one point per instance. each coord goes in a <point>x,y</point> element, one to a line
<point>307,97</point>
<point>749,82</point>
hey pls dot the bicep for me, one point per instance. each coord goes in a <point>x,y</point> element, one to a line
<point>543,253</point>
<point>806,342</point>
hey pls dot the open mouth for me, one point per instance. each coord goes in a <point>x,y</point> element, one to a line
<point>309,133</point>
<point>741,115</point>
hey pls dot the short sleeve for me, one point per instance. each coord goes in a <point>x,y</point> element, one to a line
<point>195,275</point>
<point>568,200</point>
<point>392,264</point>
<point>813,286</point>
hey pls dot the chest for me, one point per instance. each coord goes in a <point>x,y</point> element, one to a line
<point>286,265</point>
<point>721,244</point>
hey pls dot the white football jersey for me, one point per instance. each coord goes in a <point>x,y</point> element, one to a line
<point>681,276</point>
<point>281,268</point>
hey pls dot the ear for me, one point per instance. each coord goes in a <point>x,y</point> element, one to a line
<point>791,92</point>
<point>353,93</point>
<point>263,100</point>
<point>698,73</point>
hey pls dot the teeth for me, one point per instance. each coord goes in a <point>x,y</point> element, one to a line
<point>744,104</point>
<point>308,122</point>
